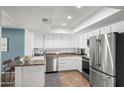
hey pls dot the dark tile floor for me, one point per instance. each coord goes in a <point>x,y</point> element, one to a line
<point>52,80</point>
<point>66,79</point>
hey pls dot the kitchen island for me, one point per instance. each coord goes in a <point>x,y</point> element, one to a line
<point>30,74</point>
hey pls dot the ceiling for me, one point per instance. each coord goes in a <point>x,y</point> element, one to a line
<point>30,17</point>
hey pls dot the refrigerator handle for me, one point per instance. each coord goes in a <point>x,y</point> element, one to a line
<point>99,46</point>
<point>97,53</point>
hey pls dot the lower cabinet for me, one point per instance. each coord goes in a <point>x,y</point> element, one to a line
<point>70,63</point>
<point>30,76</point>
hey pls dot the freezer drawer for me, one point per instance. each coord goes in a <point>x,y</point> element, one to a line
<point>99,79</point>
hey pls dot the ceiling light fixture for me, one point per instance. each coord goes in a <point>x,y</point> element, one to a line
<point>63,24</point>
<point>79,6</point>
<point>69,17</point>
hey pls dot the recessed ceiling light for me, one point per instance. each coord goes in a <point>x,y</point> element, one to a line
<point>63,24</point>
<point>69,17</point>
<point>79,6</point>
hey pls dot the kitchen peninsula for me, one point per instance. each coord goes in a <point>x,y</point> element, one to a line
<point>30,74</point>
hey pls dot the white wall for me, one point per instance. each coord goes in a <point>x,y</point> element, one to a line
<point>56,41</point>
<point>118,27</point>
<point>29,43</point>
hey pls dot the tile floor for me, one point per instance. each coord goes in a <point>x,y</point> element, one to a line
<point>66,79</point>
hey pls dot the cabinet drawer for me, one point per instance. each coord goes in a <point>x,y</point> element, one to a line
<point>70,63</point>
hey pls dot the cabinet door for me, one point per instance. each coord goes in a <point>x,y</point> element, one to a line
<point>48,41</point>
<point>66,41</point>
<point>70,63</point>
<point>33,76</point>
<point>57,42</point>
<point>82,41</point>
<point>74,42</point>
<point>18,76</point>
<point>38,41</point>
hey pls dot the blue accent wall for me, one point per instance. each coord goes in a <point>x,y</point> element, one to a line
<point>16,39</point>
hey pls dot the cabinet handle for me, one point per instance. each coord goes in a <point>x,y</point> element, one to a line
<point>107,77</point>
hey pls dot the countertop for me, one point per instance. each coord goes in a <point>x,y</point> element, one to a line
<point>34,62</point>
<point>63,55</point>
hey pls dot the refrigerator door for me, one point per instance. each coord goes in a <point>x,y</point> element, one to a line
<point>99,79</point>
<point>107,54</point>
<point>93,52</point>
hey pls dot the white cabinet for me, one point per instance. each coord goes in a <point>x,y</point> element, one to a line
<point>66,41</point>
<point>30,76</point>
<point>52,41</point>
<point>18,77</point>
<point>74,42</point>
<point>48,41</point>
<point>70,41</point>
<point>70,63</point>
<point>57,41</point>
<point>29,43</point>
<point>38,41</point>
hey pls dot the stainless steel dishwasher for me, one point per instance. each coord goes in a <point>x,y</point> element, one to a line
<point>51,63</point>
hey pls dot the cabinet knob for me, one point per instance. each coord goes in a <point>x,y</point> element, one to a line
<point>99,64</point>
<point>108,77</point>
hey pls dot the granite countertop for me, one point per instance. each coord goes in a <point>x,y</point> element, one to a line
<point>63,54</point>
<point>32,63</point>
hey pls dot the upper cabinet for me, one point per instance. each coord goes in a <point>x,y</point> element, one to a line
<point>66,41</point>
<point>38,41</point>
<point>48,41</point>
<point>82,41</point>
<point>56,41</point>
<point>74,41</point>
<point>29,43</point>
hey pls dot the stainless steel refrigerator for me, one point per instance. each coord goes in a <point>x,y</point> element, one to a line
<point>107,60</point>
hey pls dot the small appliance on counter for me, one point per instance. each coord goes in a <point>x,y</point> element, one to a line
<point>39,52</point>
<point>79,51</point>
